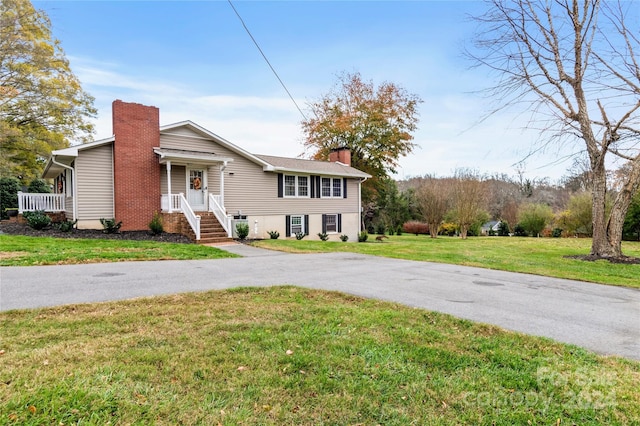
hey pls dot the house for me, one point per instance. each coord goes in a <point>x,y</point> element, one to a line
<point>190,176</point>
<point>490,228</point>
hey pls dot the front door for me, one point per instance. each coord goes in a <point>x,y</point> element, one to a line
<point>197,189</point>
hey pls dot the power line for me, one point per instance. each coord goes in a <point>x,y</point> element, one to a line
<point>267,60</point>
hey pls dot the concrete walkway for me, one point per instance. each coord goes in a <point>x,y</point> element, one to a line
<point>605,319</point>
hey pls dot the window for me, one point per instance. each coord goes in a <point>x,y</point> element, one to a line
<point>297,225</point>
<point>289,186</point>
<point>331,187</point>
<point>303,186</point>
<point>331,223</point>
<point>296,186</point>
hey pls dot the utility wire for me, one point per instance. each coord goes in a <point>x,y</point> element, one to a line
<point>267,60</point>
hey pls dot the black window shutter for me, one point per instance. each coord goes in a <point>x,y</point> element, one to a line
<point>318,193</point>
<point>313,187</point>
<point>324,223</point>
<point>280,185</point>
<point>339,222</point>
<point>344,187</point>
<point>306,224</point>
<point>288,225</point>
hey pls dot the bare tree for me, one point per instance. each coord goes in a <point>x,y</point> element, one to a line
<point>574,65</point>
<point>432,199</point>
<point>468,198</point>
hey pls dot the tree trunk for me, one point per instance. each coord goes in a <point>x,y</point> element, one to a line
<point>433,226</point>
<point>605,242</point>
<point>463,232</point>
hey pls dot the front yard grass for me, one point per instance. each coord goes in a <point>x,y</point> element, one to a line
<point>16,250</point>
<point>290,356</point>
<point>540,256</point>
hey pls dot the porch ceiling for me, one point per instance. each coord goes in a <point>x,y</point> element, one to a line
<point>179,156</point>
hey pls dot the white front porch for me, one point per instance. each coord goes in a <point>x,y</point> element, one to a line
<point>178,203</point>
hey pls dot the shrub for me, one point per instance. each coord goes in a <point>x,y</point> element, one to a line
<point>492,232</point>
<point>519,231</point>
<point>363,236</point>
<point>273,234</point>
<point>344,238</point>
<point>399,230</point>
<point>381,229</point>
<point>38,186</point>
<point>67,225</point>
<point>503,229</point>
<point>556,233</point>
<point>415,227</point>
<point>448,228</point>
<point>110,226</point>
<point>323,236</point>
<point>300,235</point>
<point>9,188</point>
<point>156,224</point>
<point>37,219</point>
<point>242,230</point>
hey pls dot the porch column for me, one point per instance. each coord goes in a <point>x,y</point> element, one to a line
<point>169,185</point>
<point>222,168</point>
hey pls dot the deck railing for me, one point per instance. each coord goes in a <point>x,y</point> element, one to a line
<point>216,203</point>
<point>30,202</point>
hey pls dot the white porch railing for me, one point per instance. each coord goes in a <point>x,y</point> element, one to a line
<point>170,202</point>
<point>192,218</point>
<point>29,202</point>
<point>216,205</point>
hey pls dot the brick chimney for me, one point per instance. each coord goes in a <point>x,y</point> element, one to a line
<point>136,172</point>
<point>342,155</point>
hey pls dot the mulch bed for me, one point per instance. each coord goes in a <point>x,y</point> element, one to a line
<point>15,228</point>
<point>628,260</point>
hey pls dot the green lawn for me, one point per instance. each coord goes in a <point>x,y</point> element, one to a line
<point>289,356</point>
<point>28,251</point>
<point>541,256</point>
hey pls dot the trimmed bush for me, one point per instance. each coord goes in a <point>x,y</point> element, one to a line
<point>344,238</point>
<point>363,237</point>
<point>274,234</point>
<point>323,236</point>
<point>242,229</point>
<point>38,186</point>
<point>300,235</point>
<point>415,227</point>
<point>37,220</point>
<point>67,225</point>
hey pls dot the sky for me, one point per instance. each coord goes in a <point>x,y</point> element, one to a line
<point>195,61</point>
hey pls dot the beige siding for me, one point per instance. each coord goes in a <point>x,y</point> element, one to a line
<point>250,189</point>
<point>178,179</point>
<point>94,171</point>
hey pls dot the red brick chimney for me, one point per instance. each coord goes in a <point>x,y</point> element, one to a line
<point>136,171</point>
<point>342,155</point>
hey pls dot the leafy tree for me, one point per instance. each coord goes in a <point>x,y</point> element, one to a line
<point>394,207</point>
<point>38,186</point>
<point>375,123</point>
<point>432,199</point>
<point>574,65</point>
<point>42,105</point>
<point>9,188</point>
<point>577,218</point>
<point>468,195</point>
<point>535,217</point>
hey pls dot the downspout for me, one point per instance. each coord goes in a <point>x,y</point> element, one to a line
<point>360,203</point>
<point>74,207</point>
<point>222,169</point>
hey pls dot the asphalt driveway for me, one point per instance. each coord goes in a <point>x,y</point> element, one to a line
<point>604,319</point>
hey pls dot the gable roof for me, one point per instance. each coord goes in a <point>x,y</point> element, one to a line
<point>61,159</point>
<point>299,165</point>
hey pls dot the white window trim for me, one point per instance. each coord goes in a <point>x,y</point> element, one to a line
<point>301,216</point>
<point>331,180</point>
<point>297,186</point>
